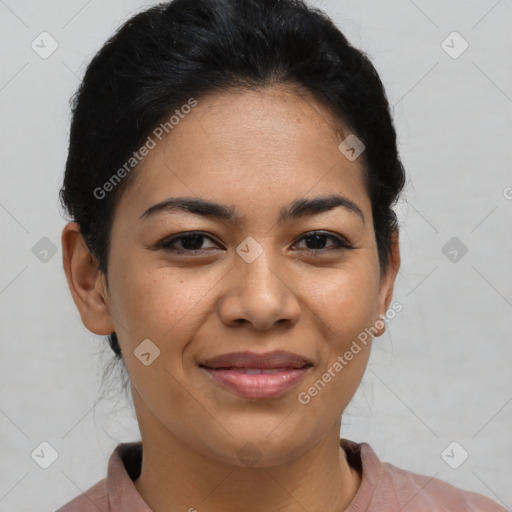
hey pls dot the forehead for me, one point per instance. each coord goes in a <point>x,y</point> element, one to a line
<point>248,146</point>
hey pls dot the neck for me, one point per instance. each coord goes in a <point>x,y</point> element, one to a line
<point>174,476</point>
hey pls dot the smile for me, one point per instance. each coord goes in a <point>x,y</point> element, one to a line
<point>257,382</point>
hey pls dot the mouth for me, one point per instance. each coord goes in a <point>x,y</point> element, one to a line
<point>278,359</point>
<point>255,371</point>
<point>253,375</point>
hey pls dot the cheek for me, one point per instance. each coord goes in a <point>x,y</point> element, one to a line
<point>346,299</point>
<point>151,301</point>
<point>345,303</point>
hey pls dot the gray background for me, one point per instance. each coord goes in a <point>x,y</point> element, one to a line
<point>441,373</point>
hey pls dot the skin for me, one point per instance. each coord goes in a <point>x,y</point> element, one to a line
<point>256,151</point>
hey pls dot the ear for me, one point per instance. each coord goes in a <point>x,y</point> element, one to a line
<point>387,282</point>
<point>85,281</point>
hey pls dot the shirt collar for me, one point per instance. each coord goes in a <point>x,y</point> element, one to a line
<point>124,466</point>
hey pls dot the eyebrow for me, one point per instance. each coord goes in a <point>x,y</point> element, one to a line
<point>298,208</point>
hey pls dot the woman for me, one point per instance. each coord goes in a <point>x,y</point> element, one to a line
<point>255,128</point>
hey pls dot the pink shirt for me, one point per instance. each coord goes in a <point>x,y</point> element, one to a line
<point>384,487</point>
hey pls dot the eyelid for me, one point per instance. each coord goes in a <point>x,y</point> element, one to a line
<point>341,241</point>
<point>165,244</point>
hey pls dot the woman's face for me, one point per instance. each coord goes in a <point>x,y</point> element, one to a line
<point>258,281</point>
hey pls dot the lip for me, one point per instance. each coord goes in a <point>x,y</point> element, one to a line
<point>265,360</point>
<point>259,385</point>
<point>253,375</point>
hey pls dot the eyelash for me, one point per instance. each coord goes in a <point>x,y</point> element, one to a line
<point>166,244</point>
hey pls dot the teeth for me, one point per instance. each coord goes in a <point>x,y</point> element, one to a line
<point>256,371</point>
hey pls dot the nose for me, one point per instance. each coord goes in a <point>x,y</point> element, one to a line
<point>261,294</point>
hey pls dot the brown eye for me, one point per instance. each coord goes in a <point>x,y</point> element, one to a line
<point>185,243</point>
<point>316,242</point>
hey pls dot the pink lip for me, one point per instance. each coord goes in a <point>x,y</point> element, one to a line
<point>247,359</point>
<point>259,385</point>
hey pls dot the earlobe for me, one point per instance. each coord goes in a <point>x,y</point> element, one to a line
<point>86,283</point>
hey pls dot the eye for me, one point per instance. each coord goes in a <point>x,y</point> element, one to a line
<point>317,239</point>
<point>193,242</point>
<point>190,242</point>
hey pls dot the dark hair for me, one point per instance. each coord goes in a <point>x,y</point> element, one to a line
<point>183,49</point>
